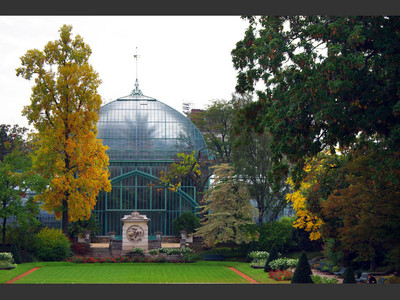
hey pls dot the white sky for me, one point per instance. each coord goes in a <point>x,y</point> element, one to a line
<point>181,58</point>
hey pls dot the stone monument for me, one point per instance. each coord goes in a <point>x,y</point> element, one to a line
<point>135,232</point>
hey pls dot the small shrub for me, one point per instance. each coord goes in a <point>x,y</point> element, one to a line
<point>258,258</point>
<point>175,251</point>
<point>51,245</point>
<point>272,256</point>
<point>257,255</point>
<point>137,251</point>
<point>80,248</point>
<point>324,280</point>
<point>283,263</point>
<point>281,275</point>
<point>348,276</point>
<point>6,260</point>
<point>187,221</point>
<point>303,272</point>
<point>258,263</point>
<point>153,251</point>
<point>335,269</point>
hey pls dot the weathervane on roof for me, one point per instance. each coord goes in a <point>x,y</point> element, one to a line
<point>136,91</point>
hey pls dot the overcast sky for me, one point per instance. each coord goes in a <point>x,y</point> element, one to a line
<point>181,58</point>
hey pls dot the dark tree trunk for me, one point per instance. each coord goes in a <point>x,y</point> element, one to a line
<point>4,231</point>
<point>64,222</point>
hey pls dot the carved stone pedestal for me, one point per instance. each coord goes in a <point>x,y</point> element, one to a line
<point>135,232</point>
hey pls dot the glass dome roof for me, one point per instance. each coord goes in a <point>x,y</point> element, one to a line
<point>141,128</point>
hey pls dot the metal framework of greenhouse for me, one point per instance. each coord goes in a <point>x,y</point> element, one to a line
<point>144,135</point>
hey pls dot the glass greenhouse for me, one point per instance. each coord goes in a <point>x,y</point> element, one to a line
<point>144,135</point>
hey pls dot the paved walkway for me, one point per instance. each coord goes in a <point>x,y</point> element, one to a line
<point>22,275</point>
<point>251,280</point>
<point>323,274</point>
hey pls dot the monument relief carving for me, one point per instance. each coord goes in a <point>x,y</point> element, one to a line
<point>134,234</point>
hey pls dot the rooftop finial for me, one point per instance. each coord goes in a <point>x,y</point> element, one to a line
<point>136,91</point>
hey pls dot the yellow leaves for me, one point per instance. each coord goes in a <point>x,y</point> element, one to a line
<point>305,219</point>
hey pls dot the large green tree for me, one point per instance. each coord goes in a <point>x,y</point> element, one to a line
<point>16,177</point>
<point>328,81</point>
<point>64,110</point>
<point>332,82</point>
<point>253,162</point>
<point>216,124</point>
<point>226,211</point>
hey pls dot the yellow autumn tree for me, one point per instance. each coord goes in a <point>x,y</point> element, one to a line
<point>64,110</point>
<point>305,218</point>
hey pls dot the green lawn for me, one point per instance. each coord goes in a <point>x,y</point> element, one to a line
<point>198,272</point>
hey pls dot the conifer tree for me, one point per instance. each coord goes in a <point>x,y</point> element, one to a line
<point>273,254</point>
<point>348,276</point>
<point>303,272</point>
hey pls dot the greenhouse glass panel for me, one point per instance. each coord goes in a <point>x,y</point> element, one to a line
<point>144,135</point>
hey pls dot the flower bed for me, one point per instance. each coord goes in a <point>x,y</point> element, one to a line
<point>279,275</point>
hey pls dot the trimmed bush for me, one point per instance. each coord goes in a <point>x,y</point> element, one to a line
<point>348,276</point>
<point>51,245</point>
<point>259,264</point>
<point>283,263</point>
<point>6,260</point>
<point>272,256</point>
<point>303,272</point>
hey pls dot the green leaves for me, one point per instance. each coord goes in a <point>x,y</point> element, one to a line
<point>327,79</point>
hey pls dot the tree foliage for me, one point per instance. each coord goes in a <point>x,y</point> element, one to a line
<point>216,125</point>
<point>315,169</point>
<point>16,177</point>
<point>187,221</point>
<point>226,210</point>
<point>364,214</point>
<point>331,82</point>
<point>253,162</point>
<point>187,166</point>
<point>64,109</point>
<point>327,80</point>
